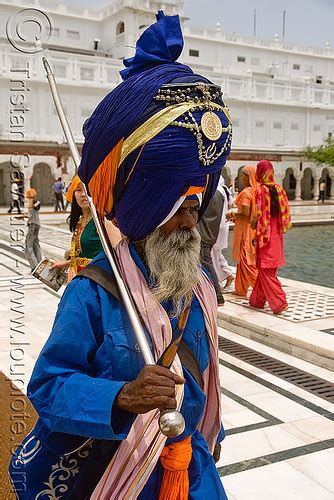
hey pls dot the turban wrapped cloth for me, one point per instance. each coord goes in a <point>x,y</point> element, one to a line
<point>73,186</point>
<point>139,157</point>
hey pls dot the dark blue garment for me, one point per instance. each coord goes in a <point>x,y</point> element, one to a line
<point>90,354</point>
<point>169,163</point>
<point>119,113</point>
<point>161,43</point>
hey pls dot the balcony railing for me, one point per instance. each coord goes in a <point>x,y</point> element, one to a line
<point>68,69</point>
<point>217,34</point>
<point>81,70</point>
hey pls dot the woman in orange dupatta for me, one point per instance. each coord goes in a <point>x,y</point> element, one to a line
<point>272,219</point>
<point>243,247</point>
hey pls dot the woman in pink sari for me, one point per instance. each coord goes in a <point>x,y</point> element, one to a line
<point>271,220</point>
<point>243,247</point>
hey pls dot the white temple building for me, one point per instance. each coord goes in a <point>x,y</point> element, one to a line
<point>281,96</point>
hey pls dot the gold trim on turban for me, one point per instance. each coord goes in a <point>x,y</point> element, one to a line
<point>158,122</point>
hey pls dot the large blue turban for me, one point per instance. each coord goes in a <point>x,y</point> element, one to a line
<point>135,165</point>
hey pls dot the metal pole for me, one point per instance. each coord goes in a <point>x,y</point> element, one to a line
<point>283,28</point>
<point>254,22</point>
<point>169,427</point>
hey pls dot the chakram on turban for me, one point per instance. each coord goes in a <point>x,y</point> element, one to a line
<point>163,134</point>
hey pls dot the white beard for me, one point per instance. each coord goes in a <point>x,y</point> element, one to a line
<point>173,262</point>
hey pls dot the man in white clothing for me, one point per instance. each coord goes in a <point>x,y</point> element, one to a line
<point>223,271</point>
<point>15,203</point>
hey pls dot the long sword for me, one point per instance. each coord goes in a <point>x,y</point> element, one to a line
<point>171,422</point>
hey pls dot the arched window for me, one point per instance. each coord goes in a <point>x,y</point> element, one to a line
<point>120,28</point>
<point>289,183</point>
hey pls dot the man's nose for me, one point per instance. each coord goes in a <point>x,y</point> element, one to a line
<point>188,219</point>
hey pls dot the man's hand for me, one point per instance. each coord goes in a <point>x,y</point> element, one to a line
<point>230,216</point>
<point>153,388</point>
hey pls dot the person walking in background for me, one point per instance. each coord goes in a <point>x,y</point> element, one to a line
<point>67,202</point>
<point>220,264</point>
<point>322,191</point>
<point>14,191</point>
<point>208,228</point>
<point>231,190</point>
<point>243,247</point>
<point>58,188</point>
<point>271,220</point>
<point>32,248</point>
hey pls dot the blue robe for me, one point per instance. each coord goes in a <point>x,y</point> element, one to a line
<point>91,353</point>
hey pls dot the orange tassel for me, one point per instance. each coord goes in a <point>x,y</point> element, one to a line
<point>102,183</point>
<point>175,459</point>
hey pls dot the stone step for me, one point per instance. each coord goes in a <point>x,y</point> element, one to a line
<point>289,336</point>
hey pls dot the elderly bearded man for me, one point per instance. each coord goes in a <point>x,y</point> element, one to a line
<point>154,149</point>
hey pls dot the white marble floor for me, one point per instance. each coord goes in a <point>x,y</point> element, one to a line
<point>279,440</point>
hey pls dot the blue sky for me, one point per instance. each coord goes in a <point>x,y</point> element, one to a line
<point>308,22</point>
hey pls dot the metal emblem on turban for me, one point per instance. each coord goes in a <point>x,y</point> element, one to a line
<point>192,97</point>
<point>211,126</point>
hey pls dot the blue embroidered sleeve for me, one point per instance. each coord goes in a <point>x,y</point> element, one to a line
<point>66,389</point>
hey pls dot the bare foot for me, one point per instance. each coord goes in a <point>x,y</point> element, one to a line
<point>285,308</point>
<point>229,281</point>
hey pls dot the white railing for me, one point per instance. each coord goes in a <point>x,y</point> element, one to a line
<point>272,91</point>
<point>56,8</point>
<point>97,71</point>
<point>254,41</point>
<point>171,6</point>
<point>70,69</point>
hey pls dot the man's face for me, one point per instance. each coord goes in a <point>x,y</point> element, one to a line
<point>185,218</point>
<point>172,255</point>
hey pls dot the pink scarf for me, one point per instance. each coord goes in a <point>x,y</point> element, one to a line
<point>137,456</point>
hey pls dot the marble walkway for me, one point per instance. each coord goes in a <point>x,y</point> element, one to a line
<point>279,438</point>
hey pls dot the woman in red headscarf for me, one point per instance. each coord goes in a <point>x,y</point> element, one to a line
<point>243,247</point>
<point>271,220</point>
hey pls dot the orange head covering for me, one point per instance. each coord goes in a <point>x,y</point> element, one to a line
<point>31,193</point>
<point>74,184</point>
<point>250,171</point>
